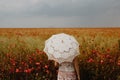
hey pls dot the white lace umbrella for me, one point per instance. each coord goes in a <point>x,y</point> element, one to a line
<point>61,48</point>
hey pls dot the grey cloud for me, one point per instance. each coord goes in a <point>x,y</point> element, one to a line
<point>63,13</point>
<point>60,8</point>
<point>78,8</point>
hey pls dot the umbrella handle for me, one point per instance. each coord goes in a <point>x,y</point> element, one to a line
<point>66,71</point>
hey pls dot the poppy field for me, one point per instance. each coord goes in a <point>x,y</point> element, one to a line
<point>22,56</point>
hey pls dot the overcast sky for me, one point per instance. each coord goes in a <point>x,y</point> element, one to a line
<point>59,13</point>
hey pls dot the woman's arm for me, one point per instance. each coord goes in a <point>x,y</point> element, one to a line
<point>76,66</point>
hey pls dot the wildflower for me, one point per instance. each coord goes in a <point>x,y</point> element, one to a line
<point>47,71</point>
<point>38,51</point>
<point>13,63</point>
<point>27,70</point>
<point>17,70</point>
<point>93,51</point>
<point>108,50</point>
<point>90,60</point>
<point>46,66</point>
<point>107,56</point>
<point>111,60</point>
<point>118,63</point>
<point>25,64</point>
<point>33,54</point>
<point>101,61</point>
<point>8,54</point>
<point>37,74</point>
<point>22,62</point>
<point>37,63</point>
<point>12,69</point>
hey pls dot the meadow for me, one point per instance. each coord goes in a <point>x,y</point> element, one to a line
<point>22,56</point>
